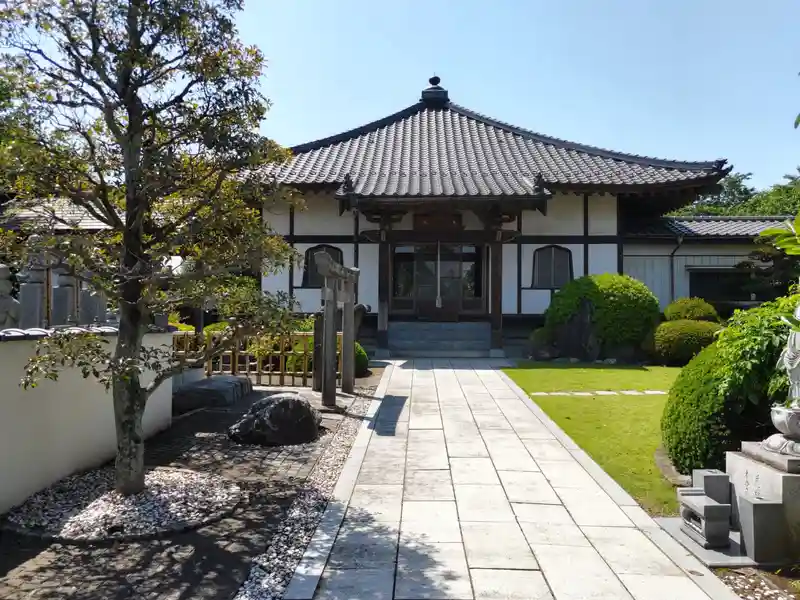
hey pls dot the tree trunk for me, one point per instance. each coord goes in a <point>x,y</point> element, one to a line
<point>129,402</point>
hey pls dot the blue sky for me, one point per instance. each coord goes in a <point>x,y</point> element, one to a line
<point>683,79</point>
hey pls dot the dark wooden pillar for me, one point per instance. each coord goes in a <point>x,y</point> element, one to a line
<point>496,293</point>
<point>384,281</point>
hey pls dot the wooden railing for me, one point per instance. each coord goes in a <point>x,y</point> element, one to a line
<point>284,360</point>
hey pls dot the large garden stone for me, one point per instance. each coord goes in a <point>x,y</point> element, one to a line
<point>281,419</point>
<point>577,336</point>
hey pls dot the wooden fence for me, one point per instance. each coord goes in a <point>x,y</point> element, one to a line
<point>269,360</point>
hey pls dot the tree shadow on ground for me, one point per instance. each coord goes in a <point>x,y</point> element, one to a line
<point>213,561</point>
<point>210,562</point>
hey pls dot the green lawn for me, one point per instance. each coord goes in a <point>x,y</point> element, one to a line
<point>621,433</point>
<point>558,377</point>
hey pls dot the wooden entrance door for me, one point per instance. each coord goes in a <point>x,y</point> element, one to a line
<point>438,282</point>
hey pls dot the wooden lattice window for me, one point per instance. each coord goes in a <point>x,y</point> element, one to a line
<point>552,267</point>
<point>311,277</point>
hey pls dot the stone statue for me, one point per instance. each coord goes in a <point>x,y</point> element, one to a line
<point>9,306</point>
<point>786,417</point>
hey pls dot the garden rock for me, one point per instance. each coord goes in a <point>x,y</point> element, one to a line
<point>577,338</point>
<point>278,420</point>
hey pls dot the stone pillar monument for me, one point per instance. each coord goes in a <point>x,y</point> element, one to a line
<point>338,279</point>
<point>33,297</point>
<point>9,306</point>
<point>64,295</point>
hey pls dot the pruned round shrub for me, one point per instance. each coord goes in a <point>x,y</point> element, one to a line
<point>623,310</point>
<point>540,337</point>
<point>692,309</point>
<point>723,396</point>
<point>675,343</point>
<point>362,361</point>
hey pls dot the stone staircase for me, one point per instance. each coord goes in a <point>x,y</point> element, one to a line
<point>439,340</point>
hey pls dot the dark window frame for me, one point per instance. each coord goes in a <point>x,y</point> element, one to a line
<point>308,276</point>
<point>538,256</point>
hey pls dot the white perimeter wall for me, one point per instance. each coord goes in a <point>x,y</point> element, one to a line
<point>58,428</point>
<point>650,264</point>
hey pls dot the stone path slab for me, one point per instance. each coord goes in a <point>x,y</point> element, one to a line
<point>467,490</point>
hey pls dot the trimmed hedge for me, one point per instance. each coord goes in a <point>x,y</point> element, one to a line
<point>724,395</point>
<point>362,361</point>
<point>675,343</point>
<point>625,310</point>
<point>692,309</point>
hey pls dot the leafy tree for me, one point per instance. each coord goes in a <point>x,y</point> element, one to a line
<point>733,192</point>
<point>143,114</point>
<point>781,199</point>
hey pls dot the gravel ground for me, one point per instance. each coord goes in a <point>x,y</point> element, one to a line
<point>751,584</point>
<point>84,507</point>
<point>272,571</point>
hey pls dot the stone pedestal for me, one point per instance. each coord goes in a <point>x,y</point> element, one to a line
<point>766,505</point>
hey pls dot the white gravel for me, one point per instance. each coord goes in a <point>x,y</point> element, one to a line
<point>750,584</point>
<point>85,507</point>
<point>272,571</point>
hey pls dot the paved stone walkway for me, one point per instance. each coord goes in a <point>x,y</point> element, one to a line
<point>467,490</point>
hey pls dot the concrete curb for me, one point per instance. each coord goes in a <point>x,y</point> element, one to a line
<point>309,570</point>
<point>694,569</point>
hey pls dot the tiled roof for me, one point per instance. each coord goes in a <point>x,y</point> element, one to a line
<point>59,215</point>
<point>705,227</point>
<point>437,148</point>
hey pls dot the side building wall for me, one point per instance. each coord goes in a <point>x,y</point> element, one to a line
<point>587,226</point>
<point>669,277</point>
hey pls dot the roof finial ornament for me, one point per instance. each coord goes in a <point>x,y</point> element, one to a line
<point>435,96</point>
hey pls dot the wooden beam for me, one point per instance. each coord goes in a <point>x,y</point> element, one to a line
<point>496,293</point>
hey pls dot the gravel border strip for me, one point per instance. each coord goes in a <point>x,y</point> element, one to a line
<point>292,564</point>
<point>169,530</point>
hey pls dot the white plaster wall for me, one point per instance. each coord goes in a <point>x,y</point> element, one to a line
<point>651,271</point>
<point>650,264</point>
<point>309,299</point>
<point>602,258</point>
<point>564,217</point>
<point>277,216</point>
<point>58,428</point>
<point>320,216</point>
<point>603,215</point>
<point>276,283</point>
<point>510,283</point>
<point>368,278</point>
<point>535,302</point>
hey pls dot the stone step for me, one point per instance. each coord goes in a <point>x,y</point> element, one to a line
<point>214,391</point>
<point>701,504</point>
<point>442,345</point>
<point>440,354</point>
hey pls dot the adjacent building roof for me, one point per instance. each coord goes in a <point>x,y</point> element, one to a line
<point>60,215</point>
<point>437,148</point>
<point>705,227</point>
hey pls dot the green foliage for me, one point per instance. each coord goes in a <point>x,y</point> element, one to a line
<point>362,361</point>
<point>180,326</point>
<point>750,347</point>
<point>733,192</point>
<point>216,327</point>
<point>304,325</point>
<point>675,343</point>
<point>692,309</point>
<point>724,394</point>
<point>540,337</point>
<point>700,423</point>
<point>625,310</point>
